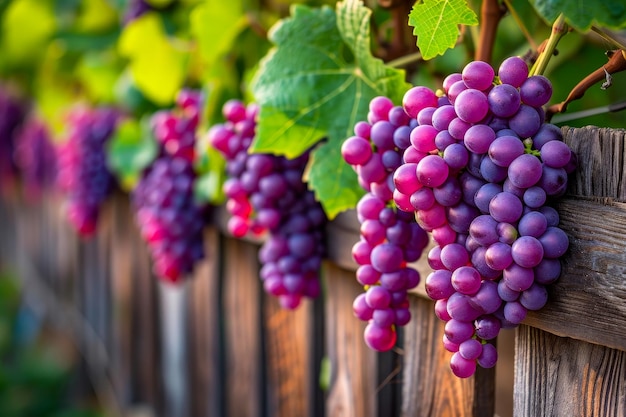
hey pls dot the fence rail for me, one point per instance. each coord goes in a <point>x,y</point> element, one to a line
<point>219,346</point>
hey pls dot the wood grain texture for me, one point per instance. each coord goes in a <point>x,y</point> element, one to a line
<point>430,389</point>
<point>204,331</point>
<point>558,376</point>
<point>242,320</point>
<point>353,382</point>
<point>288,338</point>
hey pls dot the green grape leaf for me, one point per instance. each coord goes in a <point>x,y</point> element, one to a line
<point>157,66</point>
<point>131,149</point>
<point>216,24</point>
<point>316,83</point>
<point>583,14</point>
<point>436,24</point>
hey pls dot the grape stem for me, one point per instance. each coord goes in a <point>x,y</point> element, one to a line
<point>559,29</point>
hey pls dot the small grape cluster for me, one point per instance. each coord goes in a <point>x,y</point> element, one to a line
<point>479,174</point>
<point>266,193</point>
<point>135,9</point>
<point>13,110</point>
<point>35,157</point>
<point>168,216</point>
<point>389,238</point>
<point>83,172</point>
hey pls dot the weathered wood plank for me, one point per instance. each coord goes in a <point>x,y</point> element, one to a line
<point>205,364</point>
<point>430,389</point>
<point>558,376</point>
<point>121,298</point>
<point>147,387</point>
<point>289,354</point>
<point>242,319</point>
<point>353,382</point>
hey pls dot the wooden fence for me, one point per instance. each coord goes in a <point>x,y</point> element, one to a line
<point>219,346</point>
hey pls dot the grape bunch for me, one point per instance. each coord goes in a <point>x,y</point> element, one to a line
<point>266,195</point>
<point>169,218</point>
<point>479,175</point>
<point>83,174</point>
<point>12,113</point>
<point>389,238</point>
<point>35,157</point>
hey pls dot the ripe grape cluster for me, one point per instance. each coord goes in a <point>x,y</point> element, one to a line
<point>83,174</point>
<point>169,218</point>
<point>389,238</point>
<point>266,193</point>
<point>35,157</point>
<point>12,113</point>
<point>479,175</point>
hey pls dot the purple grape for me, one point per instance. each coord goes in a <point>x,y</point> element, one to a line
<point>505,149</point>
<point>504,100</point>
<point>478,75</point>
<point>356,150</point>
<point>556,154</point>
<point>461,367</point>
<point>478,138</point>
<point>471,105</point>
<point>526,122</point>
<point>525,171</point>
<point>513,71</point>
<point>535,297</point>
<point>379,338</point>
<point>536,91</point>
<point>505,207</point>
<point>527,251</point>
<point>418,98</point>
<point>554,242</point>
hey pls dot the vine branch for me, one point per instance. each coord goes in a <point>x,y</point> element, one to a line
<point>490,15</point>
<point>617,63</point>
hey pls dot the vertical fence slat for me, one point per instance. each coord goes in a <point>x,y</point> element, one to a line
<point>289,351</point>
<point>354,368</point>
<point>242,318</point>
<point>429,387</point>
<point>204,332</point>
<point>559,376</point>
<point>147,374</point>
<point>121,288</point>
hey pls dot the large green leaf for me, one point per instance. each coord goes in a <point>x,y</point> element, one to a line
<point>436,24</point>
<point>581,14</point>
<point>158,67</point>
<point>316,83</point>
